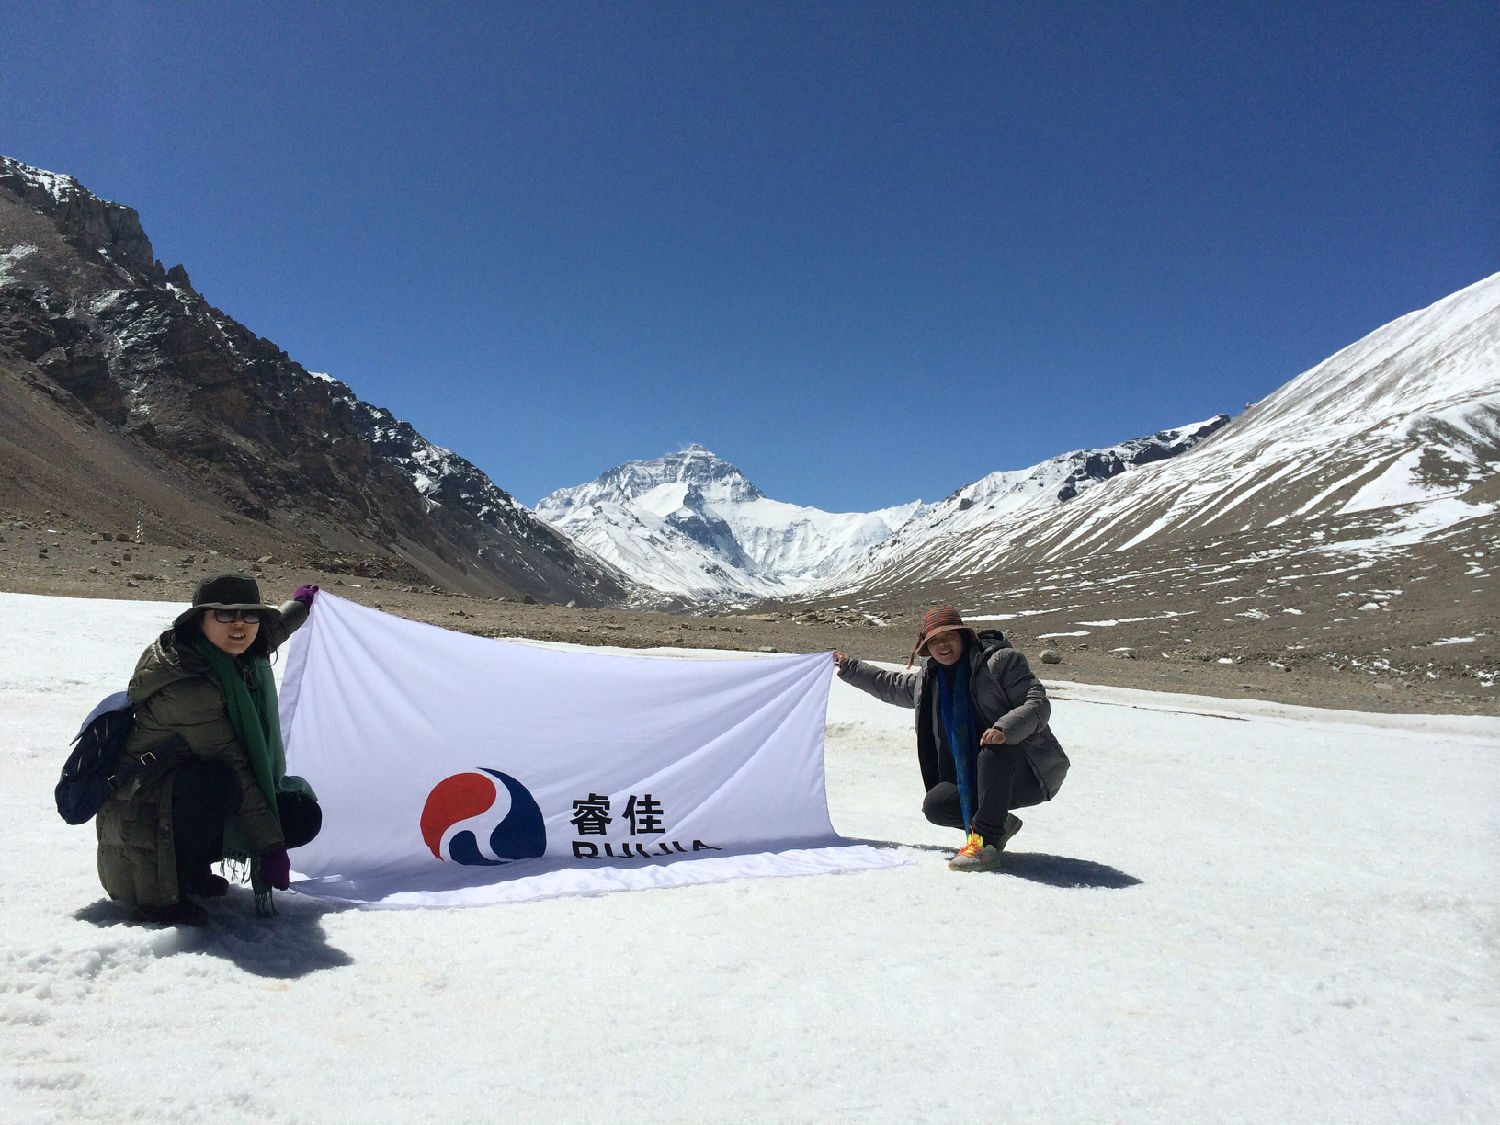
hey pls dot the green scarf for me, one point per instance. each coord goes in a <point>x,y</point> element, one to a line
<point>256,722</point>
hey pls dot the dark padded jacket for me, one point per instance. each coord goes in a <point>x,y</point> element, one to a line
<point>175,692</point>
<point>1006,694</point>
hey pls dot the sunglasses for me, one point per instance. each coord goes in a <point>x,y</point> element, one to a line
<point>229,616</point>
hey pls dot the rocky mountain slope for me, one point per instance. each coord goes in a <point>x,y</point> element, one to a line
<point>126,398</point>
<point>1398,435</point>
<point>1346,521</point>
<point>1033,496</point>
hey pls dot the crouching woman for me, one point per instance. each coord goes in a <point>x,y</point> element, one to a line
<point>984,744</point>
<point>206,716</point>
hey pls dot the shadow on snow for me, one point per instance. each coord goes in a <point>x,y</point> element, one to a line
<point>1038,867</point>
<point>286,947</point>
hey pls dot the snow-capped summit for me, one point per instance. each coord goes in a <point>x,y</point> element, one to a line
<point>654,483</point>
<point>691,524</point>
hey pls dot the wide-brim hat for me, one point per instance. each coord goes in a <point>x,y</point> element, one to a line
<point>234,591</point>
<point>943,619</point>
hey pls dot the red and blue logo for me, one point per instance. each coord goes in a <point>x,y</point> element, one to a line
<point>468,803</point>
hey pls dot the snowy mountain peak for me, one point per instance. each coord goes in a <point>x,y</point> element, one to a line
<point>101,227</point>
<point>689,477</point>
<point>59,187</point>
<point>690,524</point>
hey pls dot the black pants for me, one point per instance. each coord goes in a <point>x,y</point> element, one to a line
<point>1006,782</point>
<point>205,794</point>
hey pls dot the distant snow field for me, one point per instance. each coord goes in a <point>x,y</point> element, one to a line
<point>1235,911</point>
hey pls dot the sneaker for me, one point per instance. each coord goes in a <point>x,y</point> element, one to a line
<point>976,855</point>
<point>175,914</point>
<point>205,884</point>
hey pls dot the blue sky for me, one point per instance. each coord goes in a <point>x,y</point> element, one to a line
<point>867,251</point>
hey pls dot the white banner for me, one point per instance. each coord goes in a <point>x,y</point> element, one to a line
<point>456,770</point>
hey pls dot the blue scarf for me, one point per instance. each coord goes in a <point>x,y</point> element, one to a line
<point>957,709</point>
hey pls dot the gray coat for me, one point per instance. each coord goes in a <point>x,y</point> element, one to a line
<point>1006,694</point>
<point>175,692</point>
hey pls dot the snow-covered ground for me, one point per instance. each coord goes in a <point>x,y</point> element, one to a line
<point>1234,911</point>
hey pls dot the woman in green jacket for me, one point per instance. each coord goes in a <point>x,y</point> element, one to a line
<point>205,707</point>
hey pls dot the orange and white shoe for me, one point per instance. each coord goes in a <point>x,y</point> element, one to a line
<point>977,855</point>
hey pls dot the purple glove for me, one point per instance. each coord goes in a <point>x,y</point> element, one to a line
<point>276,869</point>
<point>304,595</point>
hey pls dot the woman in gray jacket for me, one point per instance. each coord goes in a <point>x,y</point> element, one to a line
<point>983,743</point>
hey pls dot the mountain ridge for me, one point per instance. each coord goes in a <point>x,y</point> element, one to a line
<point>691,524</point>
<point>1405,421</point>
<point>1344,522</point>
<point>215,435</point>
<point>1408,415</point>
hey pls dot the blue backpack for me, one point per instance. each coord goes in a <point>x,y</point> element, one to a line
<point>94,769</point>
